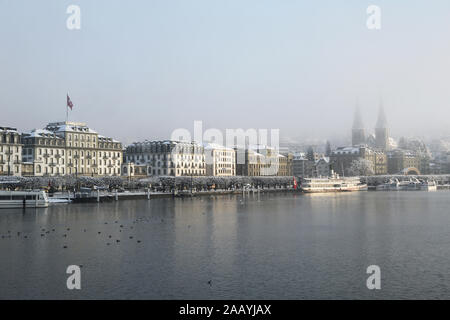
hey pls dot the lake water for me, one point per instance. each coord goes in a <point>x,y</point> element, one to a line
<point>275,246</point>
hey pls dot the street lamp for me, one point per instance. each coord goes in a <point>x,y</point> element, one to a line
<point>9,160</point>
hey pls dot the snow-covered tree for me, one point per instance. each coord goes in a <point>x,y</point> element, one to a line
<point>164,183</point>
<point>361,167</point>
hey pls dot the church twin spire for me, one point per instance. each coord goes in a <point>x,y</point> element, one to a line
<point>381,129</point>
<point>381,121</point>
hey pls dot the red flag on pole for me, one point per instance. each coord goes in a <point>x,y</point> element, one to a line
<point>295,184</point>
<point>69,102</point>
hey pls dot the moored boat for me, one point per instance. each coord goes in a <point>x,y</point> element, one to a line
<point>407,185</point>
<point>393,184</point>
<point>410,185</point>
<point>23,199</point>
<point>428,185</point>
<point>332,184</point>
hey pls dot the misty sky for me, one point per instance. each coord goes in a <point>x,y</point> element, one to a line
<point>140,69</point>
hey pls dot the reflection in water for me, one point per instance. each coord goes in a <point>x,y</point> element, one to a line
<point>267,246</point>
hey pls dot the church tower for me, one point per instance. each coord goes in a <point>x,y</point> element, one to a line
<point>358,132</point>
<point>382,131</point>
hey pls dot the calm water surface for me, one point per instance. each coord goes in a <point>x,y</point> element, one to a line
<point>277,246</point>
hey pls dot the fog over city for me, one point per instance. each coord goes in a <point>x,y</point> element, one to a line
<point>140,71</point>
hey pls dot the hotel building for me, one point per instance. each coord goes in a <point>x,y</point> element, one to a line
<point>66,148</point>
<point>262,160</point>
<point>168,157</point>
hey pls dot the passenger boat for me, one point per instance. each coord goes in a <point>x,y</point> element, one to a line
<point>408,185</point>
<point>428,186</point>
<point>332,184</point>
<point>393,184</point>
<point>23,199</point>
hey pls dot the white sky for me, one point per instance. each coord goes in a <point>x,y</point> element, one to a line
<point>140,69</point>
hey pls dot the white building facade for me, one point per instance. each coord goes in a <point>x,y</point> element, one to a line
<point>45,151</point>
<point>10,152</point>
<point>72,148</point>
<point>168,157</point>
<point>220,160</point>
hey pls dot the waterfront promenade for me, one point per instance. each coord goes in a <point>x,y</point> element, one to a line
<point>104,196</point>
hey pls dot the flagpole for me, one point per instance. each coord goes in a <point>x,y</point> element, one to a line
<point>69,104</point>
<point>67,109</point>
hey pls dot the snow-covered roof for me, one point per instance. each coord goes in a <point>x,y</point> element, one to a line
<point>254,153</point>
<point>323,159</point>
<point>403,152</point>
<point>69,127</point>
<point>346,150</point>
<point>60,128</point>
<point>164,142</point>
<point>260,147</point>
<point>299,156</point>
<point>108,139</point>
<point>8,130</point>
<point>42,133</point>
<point>215,146</point>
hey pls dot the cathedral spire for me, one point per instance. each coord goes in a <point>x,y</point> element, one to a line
<point>358,132</point>
<point>381,122</point>
<point>357,119</point>
<point>381,130</point>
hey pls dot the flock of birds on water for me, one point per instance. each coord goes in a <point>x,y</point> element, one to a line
<point>44,233</point>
